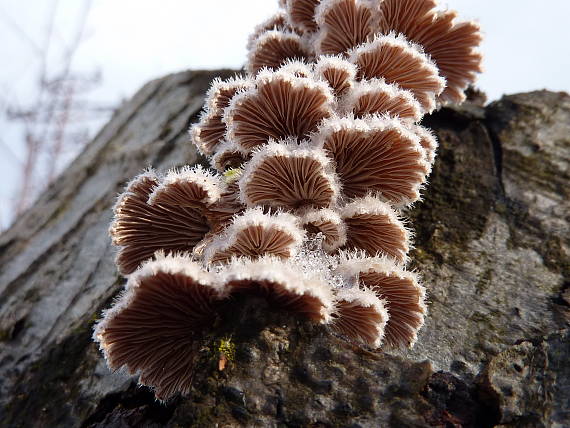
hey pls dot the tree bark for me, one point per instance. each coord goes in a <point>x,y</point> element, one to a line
<point>492,244</point>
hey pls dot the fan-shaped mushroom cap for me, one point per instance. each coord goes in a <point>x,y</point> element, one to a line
<point>228,155</point>
<point>188,187</point>
<point>272,48</point>
<point>375,96</point>
<point>338,72</point>
<point>140,228</point>
<point>452,45</point>
<point>428,141</point>
<point>400,289</point>
<point>301,14</point>
<point>153,326</point>
<point>360,315</point>
<point>282,285</point>
<point>279,21</point>
<point>289,176</point>
<point>375,155</point>
<point>344,24</point>
<point>254,234</point>
<point>373,226</point>
<point>398,61</point>
<point>327,222</point>
<point>282,105</point>
<point>220,213</point>
<point>297,68</point>
<point>209,132</point>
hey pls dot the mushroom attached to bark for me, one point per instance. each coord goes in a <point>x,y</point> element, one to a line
<point>281,105</point>
<point>404,296</point>
<point>428,141</point>
<point>209,133</point>
<point>375,154</point>
<point>451,44</point>
<point>273,48</point>
<point>154,214</point>
<point>154,326</point>
<point>289,176</point>
<point>254,234</point>
<point>278,22</point>
<point>338,72</point>
<point>187,187</point>
<point>374,227</point>
<point>344,24</point>
<point>360,315</point>
<point>228,155</point>
<point>282,285</point>
<point>329,223</point>
<point>375,96</point>
<point>398,61</point>
<point>301,14</point>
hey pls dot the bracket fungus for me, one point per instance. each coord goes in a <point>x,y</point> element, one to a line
<point>254,234</point>
<point>318,148</point>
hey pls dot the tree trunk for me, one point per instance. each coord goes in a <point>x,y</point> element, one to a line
<point>492,244</point>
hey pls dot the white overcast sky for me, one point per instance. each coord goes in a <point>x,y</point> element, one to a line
<point>526,47</point>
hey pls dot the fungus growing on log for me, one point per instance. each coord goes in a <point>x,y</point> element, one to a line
<point>398,61</point>
<point>360,315</point>
<point>375,96</point>
<point>374,227</point>
<point>153,327</point>
<point>273,48</point>
<point>254,234</point>
<point>329,223</point>
<point>162,214</point>
<point>375,154</point>
<point>209,133</point>
<point>400,289</point>
<point>344,24</point>
<point>281,105</point>
<point>339,73</point>
<point>319,147</point>
<point>284,287</point>
<point>289,176</point>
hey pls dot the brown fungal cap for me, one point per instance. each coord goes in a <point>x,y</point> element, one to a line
<point>398,61</point>
<point>278,22</point>
<point>220,213</point>
<point>360,315</point>
<point>282,285</point>
<point>153,327</point>
<point>301,14</point>
<point>375,154</point>
<point>187,187</point>
<point>375,96</point>
<point>339,73</point>
<point>428,141</point>
<point>288,176</point>
<point>174,222</point>
<point>374,227</point>
<point>404,296</point>
<point>282,105</point>
<point>452,45</point>
<point>273,48</point>
<point>344,24</point>
<point>209,132</point>
<point>254,234</point>
<point>329,223</point>
<point>228,155</point>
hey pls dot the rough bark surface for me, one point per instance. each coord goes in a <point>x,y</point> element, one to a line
<point>492,243</point>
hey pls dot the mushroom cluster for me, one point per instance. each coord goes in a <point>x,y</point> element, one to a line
<point>315,152</point>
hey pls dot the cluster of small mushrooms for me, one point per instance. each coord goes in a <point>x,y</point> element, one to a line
<point>318,149</point>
